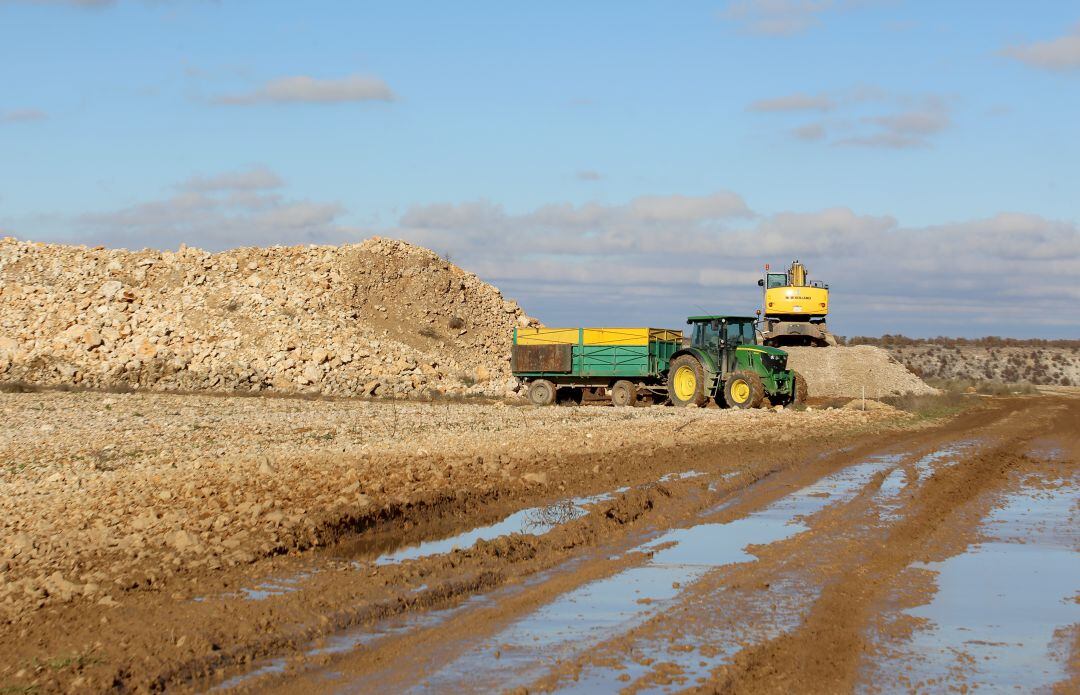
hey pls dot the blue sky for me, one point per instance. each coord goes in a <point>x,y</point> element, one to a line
<point>602,162</point>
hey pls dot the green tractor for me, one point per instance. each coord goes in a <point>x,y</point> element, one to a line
<point>725,362</point>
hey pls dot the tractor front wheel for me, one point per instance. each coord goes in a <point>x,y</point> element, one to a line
<point>744,389</point>
<point>686,381</point>
<point>541,392</point>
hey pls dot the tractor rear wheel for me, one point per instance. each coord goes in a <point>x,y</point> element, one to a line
<point>801,391</point>
<point>541,392</point>
<point>743,389</point>
<point>686,381</point>
<point>623,392</point>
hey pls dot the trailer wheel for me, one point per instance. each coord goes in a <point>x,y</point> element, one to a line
<point>801,391</point>
<point>541,392</point>
<point>744,389</point>
<point>686,381</point>
<point>623,392</point>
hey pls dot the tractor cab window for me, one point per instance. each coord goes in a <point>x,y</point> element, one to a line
<point>739,333</point>
<point>707,335</point>
<point>776,280</point>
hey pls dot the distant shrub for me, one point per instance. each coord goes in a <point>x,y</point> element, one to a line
<point>991,341</point>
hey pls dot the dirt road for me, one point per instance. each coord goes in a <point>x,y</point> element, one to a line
<point>882,559</point>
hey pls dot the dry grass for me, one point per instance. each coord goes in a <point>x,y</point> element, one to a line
<point>987,387</point>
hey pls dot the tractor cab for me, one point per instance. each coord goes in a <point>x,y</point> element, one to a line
<point>715,332</point>
<point>719,336</point>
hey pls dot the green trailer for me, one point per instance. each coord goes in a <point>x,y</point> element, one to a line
<point>625,363</point>
<point>721,361</point>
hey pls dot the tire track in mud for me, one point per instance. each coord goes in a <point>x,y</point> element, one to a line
<point>455,640</point>
<point>742,604</point>
<point>824,652</point>
<point>1001,612</point>
<point>121,647</point>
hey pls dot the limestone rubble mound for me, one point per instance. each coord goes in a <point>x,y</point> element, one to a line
<point>378,318</point>
<point>853,372</point>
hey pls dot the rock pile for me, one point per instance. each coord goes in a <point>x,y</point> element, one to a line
<point>853,372</point>
<point>379,318</point>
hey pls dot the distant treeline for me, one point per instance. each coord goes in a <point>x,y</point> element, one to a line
<point>991,341</point>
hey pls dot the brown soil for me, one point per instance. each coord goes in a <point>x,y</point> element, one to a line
<point>839,574</point>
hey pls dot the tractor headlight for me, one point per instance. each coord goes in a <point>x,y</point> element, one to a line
<point>774,363</point>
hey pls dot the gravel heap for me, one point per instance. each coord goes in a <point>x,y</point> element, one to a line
<point>847,371</point>
<point>379,318</point>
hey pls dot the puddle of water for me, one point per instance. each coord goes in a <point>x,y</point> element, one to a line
<point>369,634</point>
<point>263,591</point>
<point>586,616</point>
<point>1047,449</point>
<point>926,465</point>
<point>789,596</point>
<point>888,498</point>
<point>998,605</point>
<point>681,476</point>
<point>535,521</point>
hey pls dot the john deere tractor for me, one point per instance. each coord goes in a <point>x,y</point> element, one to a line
<point>724,362</point>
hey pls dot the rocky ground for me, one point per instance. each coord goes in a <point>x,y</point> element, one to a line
<point>105,494</point>
<point>1044,366</point>
<point>380,318</point>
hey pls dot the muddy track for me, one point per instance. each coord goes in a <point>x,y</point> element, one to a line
<point>741,570</point>
<point>821,587</point>
<point>193,629</point>
<point>826,649</point>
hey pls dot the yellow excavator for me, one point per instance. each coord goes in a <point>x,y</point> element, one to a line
<point>794,309</point>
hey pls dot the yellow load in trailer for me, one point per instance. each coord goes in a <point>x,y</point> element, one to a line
<point>595,336</point>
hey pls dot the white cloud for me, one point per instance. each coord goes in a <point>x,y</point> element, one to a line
<point>23,116</point>
<point>257,178</point>
<point>901,121</point>
<point>619,263</point>
<point>641,225</point>
<point>777,17</point>
<point>216,212</point>
<point>654,259</point>
<point>794,102</point>
<point>589,175</point>
<point>73,3</point>
<point>810,132</point>
<point>311,90</point>
<point>1062,53</point>
<point>906,129</point>
<point>920,122</point>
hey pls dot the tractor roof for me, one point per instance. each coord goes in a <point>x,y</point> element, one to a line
<point>711,317</point>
